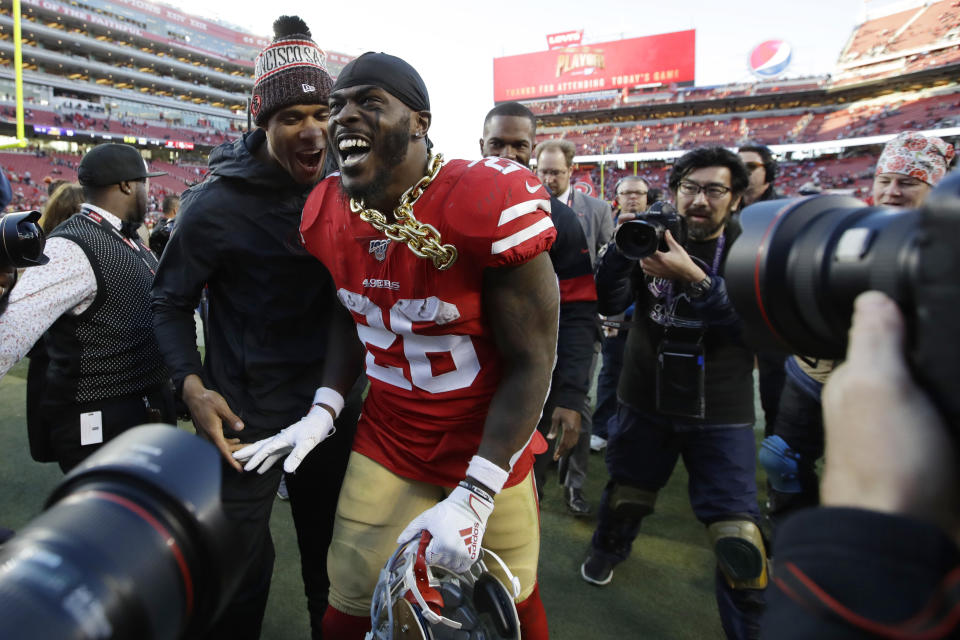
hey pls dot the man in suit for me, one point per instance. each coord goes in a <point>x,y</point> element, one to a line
<point>555,167</point>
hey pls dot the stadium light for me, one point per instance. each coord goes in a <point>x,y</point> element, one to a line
<point>20,140</point>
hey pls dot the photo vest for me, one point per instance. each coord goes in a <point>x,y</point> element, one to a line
<point>109,350</point>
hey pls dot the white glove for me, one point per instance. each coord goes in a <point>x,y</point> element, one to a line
<point>457,524</point>
<point>297,440</point>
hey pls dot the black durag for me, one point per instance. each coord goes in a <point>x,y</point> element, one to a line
<point>390,73</point>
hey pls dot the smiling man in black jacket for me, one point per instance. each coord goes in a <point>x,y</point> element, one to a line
<point>269,304</point>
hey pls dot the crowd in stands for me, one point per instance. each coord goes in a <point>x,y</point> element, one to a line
<point>93,122</point>
<point>851,121</point>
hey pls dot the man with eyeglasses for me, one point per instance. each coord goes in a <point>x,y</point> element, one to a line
<point>686,389</point>
<point>632,194</point>
<point>762,168</point>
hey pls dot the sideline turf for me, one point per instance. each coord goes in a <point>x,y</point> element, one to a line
<point>663,592</point>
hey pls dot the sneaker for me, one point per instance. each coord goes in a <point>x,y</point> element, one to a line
<point>597,444</point>
<point>576,503</point>
<point>596,569</point>
<point>282,489</point>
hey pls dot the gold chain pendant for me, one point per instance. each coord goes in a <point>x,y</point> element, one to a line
<point>421,238</point>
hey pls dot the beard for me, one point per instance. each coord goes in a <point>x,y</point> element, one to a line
<point>700,230</point>
<point>390,151</point>
<point>129,228</point>
<point>131,224</point>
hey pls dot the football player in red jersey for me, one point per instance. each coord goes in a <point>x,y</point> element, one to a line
<point>444,271</point>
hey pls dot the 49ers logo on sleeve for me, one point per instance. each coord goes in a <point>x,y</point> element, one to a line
<point>411,349</point>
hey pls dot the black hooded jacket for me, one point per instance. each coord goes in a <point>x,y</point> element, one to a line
<point>238,233</point>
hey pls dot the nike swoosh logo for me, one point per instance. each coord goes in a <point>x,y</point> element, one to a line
<point>532,189</point>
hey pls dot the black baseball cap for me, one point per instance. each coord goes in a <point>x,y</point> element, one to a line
<point>112,163</point>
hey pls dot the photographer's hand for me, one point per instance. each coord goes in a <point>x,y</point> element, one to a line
<point>566,424</point>
<point>675,264</point>
<point>209,410</point>
<point>887,447</point>
<point>8,277</point>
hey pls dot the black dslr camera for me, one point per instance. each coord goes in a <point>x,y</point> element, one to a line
<point>133,545</point>
<point>642,237</point>
<point>796,269</point>
<point>21,240</point>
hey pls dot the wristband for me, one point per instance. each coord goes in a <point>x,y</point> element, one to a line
<point>329,397</point>
<point>473,488</point>
<point>492,476</point>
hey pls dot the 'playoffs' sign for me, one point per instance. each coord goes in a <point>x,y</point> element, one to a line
<point>660,59</point>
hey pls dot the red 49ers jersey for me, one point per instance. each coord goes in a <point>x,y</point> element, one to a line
<point>431,358</point>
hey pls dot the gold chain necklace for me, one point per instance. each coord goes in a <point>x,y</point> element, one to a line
<point>421,238</point>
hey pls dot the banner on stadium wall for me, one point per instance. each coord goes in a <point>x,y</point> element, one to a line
<point>564,39</point>
<point>663,58</point>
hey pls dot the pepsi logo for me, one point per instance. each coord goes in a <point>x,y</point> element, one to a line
<point>770,58</point>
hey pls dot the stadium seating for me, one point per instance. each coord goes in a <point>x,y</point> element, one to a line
<point>30,172</point>
<point>907,111</point>
<point>80,121</point>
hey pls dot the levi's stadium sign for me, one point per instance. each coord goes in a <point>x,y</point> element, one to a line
<point>660,59</point>
<point>564,39</point>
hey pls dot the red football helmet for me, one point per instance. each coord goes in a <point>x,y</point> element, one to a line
<point>417,601</point>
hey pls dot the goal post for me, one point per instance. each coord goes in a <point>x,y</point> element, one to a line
<point>20,140</point>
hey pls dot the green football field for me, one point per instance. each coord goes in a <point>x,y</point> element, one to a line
<point>663,592</point>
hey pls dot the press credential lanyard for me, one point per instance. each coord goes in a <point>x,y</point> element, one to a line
<point>141,251</point>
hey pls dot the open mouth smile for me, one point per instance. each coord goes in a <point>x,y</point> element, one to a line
<point>353,149</point>
<point>310,159</point>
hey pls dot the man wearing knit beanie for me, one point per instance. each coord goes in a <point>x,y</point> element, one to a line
<point>909,167</point>
<point>269,316</point>
<point>291,70</point>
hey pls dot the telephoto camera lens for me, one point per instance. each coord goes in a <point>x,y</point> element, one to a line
<point>133,545</point>
<point>21,240</point>
<point>795,271</point>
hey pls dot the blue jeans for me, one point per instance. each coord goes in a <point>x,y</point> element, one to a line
<point>642,451</point>
<point>609,378</point>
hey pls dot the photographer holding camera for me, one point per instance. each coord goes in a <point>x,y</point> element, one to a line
<point>686,386</point>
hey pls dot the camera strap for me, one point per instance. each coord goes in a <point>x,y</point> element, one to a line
<point>681,364</point>
<point>138,248</point>
<point>712,271</point>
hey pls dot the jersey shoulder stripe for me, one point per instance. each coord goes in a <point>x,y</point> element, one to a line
<point>512,213</point>
<point>540,226</point>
